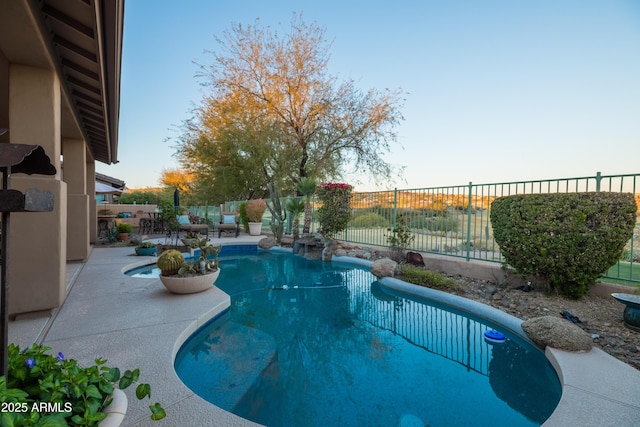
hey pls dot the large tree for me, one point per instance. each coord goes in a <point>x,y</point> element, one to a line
<point>277,114</point>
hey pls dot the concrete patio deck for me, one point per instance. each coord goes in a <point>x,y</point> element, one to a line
<point>135,322</point>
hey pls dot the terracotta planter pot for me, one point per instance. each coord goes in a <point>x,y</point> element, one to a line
<point>123,237</point>
<point>255,228</point>
<point>189,284</point>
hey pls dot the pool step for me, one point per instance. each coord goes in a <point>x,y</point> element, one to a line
<point>236,358</point>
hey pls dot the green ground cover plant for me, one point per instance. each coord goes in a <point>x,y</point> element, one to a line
<point>423,277</point>
<point>73,395</point>
<point>568,240</point>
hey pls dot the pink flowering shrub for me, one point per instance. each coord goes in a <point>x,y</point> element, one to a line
<point>335,212</point>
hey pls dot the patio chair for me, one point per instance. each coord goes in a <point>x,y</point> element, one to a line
<point>186,225</point>
<point>229,222</point>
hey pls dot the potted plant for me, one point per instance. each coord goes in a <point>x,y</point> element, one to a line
<point>123,231</point>
<point>146,249</point>
<point>77,396</point>
<point>191,238</point>
<point>182,277</point>
<point>255,209</point>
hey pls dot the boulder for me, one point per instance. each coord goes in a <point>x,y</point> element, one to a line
<point>557,333</point>
<point>414,258</point>
<point>267,243</point>
<point>359,253</point>
<point>330,246</point>
<point>340,252</point>
<point>384,267</point>
<point>310,246</point>
<point>307,240</point>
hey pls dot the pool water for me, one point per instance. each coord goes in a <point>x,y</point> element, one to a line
<point>307,343</point>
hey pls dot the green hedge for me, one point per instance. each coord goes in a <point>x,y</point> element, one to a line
<point>566,239</point>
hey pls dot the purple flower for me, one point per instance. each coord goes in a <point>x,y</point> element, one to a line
<point>31,362</point>
<point>60,356</point>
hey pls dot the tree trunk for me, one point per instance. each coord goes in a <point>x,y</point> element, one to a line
<point>296,229</point>
<point>307,217</point>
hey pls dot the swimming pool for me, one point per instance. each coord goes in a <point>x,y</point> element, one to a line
<point>307,343</point>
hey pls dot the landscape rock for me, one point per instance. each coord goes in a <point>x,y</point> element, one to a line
<point>330,247</point>
<point>267,243</point>
<point>340,252</point>
<point>414,258</point>
<point>557,333</point>
<point>384,267</point>
<point>310,246</point>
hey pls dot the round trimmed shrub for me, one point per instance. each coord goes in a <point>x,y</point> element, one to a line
<point>566,239</point>
<point>124,228</point>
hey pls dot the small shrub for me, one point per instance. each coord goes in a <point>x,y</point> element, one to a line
<point>399,239</point>
<point>567,239</point>
<point>242,214</point>
<point>628,256</point>
<point>112,235</point>
<point>385,212</point>
<point>124,228</point>
<point>437,223</point>
<point>423,277</point>
<point>369,219</point>
<point>431,213</point>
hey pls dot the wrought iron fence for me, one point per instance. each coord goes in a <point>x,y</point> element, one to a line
<point>454,220</point>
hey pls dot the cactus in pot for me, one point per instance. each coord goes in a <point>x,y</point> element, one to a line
<point>170,262</point>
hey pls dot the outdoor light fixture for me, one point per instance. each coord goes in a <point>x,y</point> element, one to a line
<point>18,158</point>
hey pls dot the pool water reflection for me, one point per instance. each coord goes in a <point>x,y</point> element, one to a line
<point>307,343</point>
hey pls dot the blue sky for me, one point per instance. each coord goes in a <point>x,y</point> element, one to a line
<point>498,90</point>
